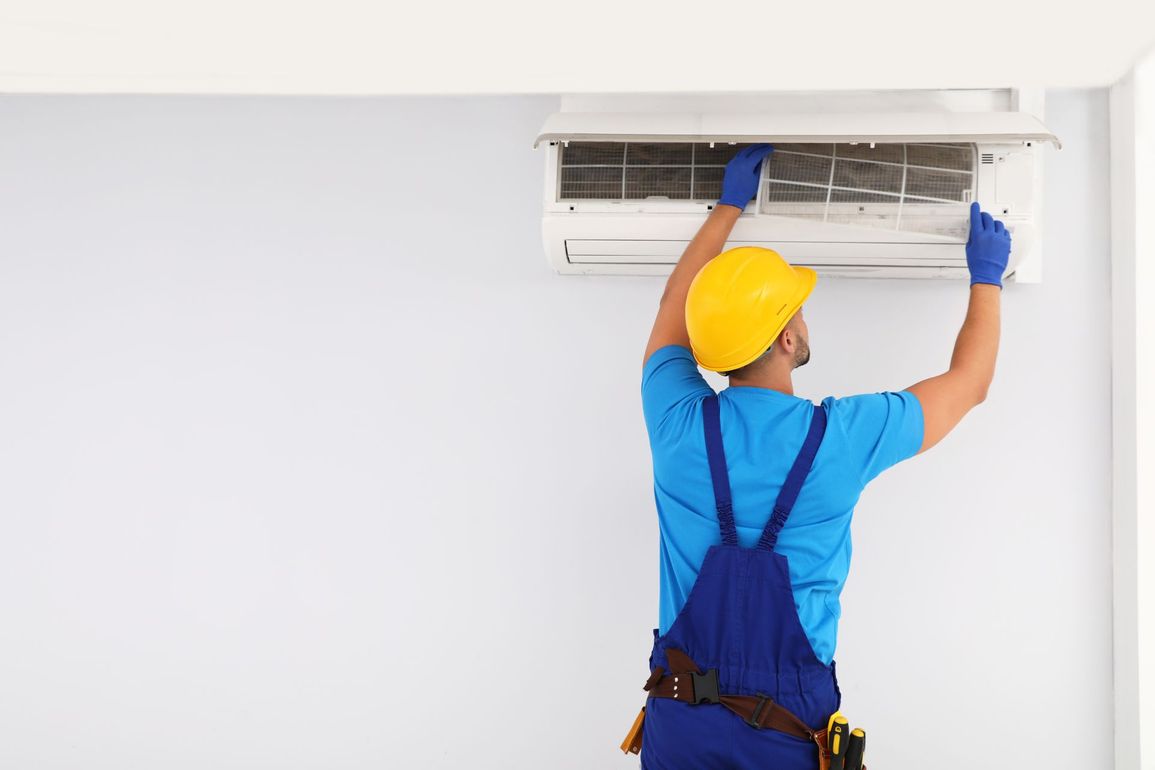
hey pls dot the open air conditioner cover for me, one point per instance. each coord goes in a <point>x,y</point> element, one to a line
<point>850,193</point>
<point>986,127</point>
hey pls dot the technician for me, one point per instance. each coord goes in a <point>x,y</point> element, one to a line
<point>755,489</point>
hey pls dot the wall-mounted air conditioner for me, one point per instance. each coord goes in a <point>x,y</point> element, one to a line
<point>874,194</point>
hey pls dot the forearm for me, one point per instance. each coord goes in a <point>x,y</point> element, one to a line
<point>945,399</point>
<point>739,185</point>
<point>977,345</point>
<point>706,245</point>
<point>670,325</point>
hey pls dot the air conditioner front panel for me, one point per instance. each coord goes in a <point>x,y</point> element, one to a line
<point>797,252</point>
<point>652,244</point>
<point>875,261</point>
<point>863,127</point>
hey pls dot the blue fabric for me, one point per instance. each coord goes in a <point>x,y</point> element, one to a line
<point>740,621</point>
<point>794,479</point>
<point>716,456</point>
<point>762,433</point>
<point>707,736</point>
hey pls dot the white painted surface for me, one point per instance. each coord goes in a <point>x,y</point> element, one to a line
<point>277,454</point>
<point>812,126</point>
<point>1133,382</point>
<point>527,46</point>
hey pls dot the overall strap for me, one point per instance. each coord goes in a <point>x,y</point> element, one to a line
<point>793,484</point>
<point>717,457</point>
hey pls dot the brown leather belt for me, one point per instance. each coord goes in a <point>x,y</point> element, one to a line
<point>687,682</point>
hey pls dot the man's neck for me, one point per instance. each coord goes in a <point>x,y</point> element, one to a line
<point>771,380</point>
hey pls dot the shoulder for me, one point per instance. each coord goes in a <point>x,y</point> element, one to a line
<point>865,406</point>
<point>664,357</point>
<point>671,385</point>
<point>880,429</point>
<point>672,371</point>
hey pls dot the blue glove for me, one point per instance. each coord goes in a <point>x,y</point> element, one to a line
<point>988,248</point>
<point>740,182</point>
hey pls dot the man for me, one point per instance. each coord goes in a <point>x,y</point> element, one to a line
<point>755,489</point>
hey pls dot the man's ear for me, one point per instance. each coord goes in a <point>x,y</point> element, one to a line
<point>786,337</point>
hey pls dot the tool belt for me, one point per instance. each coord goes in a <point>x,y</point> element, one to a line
<point>686,682</point>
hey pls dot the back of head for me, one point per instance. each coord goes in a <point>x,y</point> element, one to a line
<point>738,304</point>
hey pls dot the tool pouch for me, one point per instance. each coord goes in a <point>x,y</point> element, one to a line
<point>823,750</point>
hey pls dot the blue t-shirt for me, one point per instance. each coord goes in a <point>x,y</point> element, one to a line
<point>762,431</point>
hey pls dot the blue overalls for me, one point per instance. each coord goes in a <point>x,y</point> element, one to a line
<point>740,619</point>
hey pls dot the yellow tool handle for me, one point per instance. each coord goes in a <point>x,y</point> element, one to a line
<point>837,734</point>
<point>855,749</point>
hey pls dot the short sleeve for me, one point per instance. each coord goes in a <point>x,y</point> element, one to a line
<point>670,379</point>
<point>881,429</point>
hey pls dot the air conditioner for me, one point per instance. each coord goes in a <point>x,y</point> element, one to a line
<point>870,194</point>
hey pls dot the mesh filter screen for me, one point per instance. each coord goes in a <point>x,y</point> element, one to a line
<point>663,182</point>
<point>909,187</point>
<point>863,175</point>
<point>640,170</point>
<point>594,154</point>
<point>592,182</point>
<point>943,185</point>
<point>791,167</point>
<point>660,155</point>
<point>913,187</point>
<point>957,157</point>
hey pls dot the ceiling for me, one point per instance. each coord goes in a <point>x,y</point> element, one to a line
<point>416,47</point>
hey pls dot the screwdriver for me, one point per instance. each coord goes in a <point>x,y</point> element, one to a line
<point>856,749</point>
<point>836,733</point>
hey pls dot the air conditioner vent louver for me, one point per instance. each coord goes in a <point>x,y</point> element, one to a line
<point>988,158</point>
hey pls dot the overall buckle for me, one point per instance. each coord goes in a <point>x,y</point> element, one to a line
<point>762,701</point>
<point>706,686</point>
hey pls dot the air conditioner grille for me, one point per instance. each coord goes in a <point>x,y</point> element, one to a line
<point>910,187</point>
<point>789,193</point>
<point>640,170</point>
<point>595,153</point>
<point>938,185</point>
<point>855,175</point>
<point>924,188</point>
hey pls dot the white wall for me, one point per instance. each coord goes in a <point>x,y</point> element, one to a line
<point>298,472</point>
<point>359,47</point>
<point>1132,120</point>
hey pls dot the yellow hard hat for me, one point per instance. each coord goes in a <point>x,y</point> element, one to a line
<point>738,304</point>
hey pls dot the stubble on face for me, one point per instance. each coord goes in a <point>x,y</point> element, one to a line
<point>802,352</point>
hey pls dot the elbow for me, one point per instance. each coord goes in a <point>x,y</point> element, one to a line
<point>973,386</point>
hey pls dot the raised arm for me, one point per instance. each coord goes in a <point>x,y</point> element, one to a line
<point>949,396</point>
<point>739,185</point>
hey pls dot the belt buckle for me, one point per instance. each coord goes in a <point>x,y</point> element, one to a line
<point>762,701</point>
<point>705,686</point>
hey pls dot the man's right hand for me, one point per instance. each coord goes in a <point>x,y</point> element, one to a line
<point>740,180</point>
<point>988,248</point>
